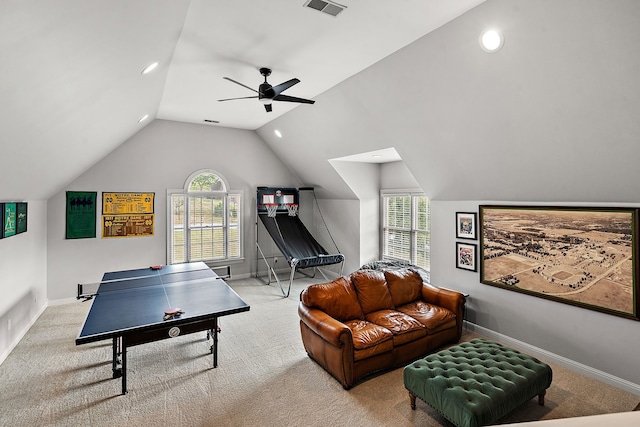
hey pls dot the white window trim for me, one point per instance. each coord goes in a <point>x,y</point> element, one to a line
<point>395,192</point>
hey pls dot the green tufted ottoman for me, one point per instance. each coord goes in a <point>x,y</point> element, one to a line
<point>476,383</point>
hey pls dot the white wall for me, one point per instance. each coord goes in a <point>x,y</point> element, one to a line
<point>160,157</point>
<point>343,221</point>
<point>364,180</point>
<point>23,277</point>
<point>396,175</point>
<point>601,341</point>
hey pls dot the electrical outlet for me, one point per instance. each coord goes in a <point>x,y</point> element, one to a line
<point>8,324</point>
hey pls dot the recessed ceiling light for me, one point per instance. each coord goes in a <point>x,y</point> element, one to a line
<point>143,118</point>
<point>491,40</point>
<point>149,68</point>
<point>278,134</point>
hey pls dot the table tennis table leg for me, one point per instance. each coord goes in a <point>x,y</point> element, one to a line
<point>120,358</point>
<point>214,347</point>
<point>124,368</point>
<point>117,371</point>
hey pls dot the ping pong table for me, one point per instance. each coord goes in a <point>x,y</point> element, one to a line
<point>129,308</point>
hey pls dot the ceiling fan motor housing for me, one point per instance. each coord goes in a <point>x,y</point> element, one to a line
<point>265,91</point>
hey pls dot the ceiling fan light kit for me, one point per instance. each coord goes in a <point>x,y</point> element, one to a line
<point>266,93</point>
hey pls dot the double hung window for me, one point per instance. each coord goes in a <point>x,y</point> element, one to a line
<point>405,227</point>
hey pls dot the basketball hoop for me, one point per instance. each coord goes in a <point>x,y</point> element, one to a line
<point>292,208</point>
<point>272,208</point>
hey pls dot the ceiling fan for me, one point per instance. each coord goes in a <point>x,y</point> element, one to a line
<point>267,93</point>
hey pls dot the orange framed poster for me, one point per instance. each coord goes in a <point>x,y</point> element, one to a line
<point>127,214</point>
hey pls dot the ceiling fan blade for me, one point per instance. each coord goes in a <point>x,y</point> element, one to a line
<point>241,84</point>
<point>284,86</point>
<point>244,97</point>
<point>268,107</point>
<point>292,99</point>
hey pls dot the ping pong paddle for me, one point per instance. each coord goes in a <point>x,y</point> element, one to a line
<point>170,313</point>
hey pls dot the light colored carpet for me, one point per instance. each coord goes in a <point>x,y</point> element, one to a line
<point>264,377</point>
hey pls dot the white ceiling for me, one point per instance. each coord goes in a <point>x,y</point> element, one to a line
<point>236,38</point>
<point>71,83</point>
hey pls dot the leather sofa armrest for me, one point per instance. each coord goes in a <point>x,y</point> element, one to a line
<point>331,330</point>
<point>446,298</point>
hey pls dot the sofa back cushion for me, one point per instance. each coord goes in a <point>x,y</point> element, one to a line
<point>372,289</point>
<point>404,285</point>
<point>337,298</point>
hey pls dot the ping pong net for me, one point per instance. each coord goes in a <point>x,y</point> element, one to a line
<point>120,281</point>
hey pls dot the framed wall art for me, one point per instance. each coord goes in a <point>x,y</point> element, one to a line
<point>21,217</point>
<point>9,220</point>
<point>81,215</point>
<point>466,225</point>
<point>127,214</point>
<point>576,255</point>
<point>466,256</point>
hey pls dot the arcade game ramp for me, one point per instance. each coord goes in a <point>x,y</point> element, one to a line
<point>277,209</point>
<point>296,242</point>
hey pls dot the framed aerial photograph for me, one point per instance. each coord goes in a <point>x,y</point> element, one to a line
<point>466,225</point>
<point>575,255</point>
<point>466,256</point>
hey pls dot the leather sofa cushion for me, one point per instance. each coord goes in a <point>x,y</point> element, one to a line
<point>337,298</point>
<point>369,339</point>
<point>404,285</point>
<point>404,328</point>
<point>372,289</point>
<point>433,317</point>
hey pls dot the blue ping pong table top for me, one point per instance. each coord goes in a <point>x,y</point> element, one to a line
<point>136,299</point>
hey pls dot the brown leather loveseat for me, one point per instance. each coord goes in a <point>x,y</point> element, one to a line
<point>375,320</point>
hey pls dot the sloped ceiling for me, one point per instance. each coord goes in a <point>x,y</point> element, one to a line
<point>551,117</point>
<point>71,87</point>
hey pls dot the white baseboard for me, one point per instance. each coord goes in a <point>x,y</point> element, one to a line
<point>22,333</point>
<point>557,359</point>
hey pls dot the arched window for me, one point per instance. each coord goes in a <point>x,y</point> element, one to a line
<point>204,220</point>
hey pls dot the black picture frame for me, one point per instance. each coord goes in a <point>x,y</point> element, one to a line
<point>466,225</point>
<point>467,256</point>
<point>21,217</point>
<point>582,256</point>
<point>9,219</point>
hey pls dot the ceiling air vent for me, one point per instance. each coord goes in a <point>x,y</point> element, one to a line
<point>330,8</point>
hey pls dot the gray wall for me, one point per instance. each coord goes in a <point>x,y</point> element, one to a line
<point>160,157</point>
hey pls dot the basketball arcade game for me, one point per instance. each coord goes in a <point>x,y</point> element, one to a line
<point>277,209</point>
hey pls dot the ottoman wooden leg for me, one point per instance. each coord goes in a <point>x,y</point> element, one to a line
<point>541,398</point>
<point>412,400</point>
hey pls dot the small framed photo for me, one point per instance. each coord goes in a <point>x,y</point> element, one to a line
<point>466,225</point>
<point>466,256</point>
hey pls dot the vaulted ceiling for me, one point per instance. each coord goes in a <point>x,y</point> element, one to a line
<point>72,90</point>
